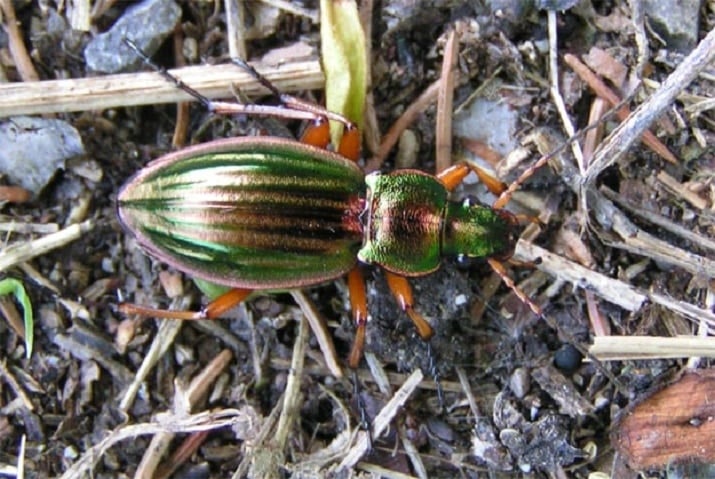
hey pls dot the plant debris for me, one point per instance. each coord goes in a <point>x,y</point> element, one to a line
<point>620,259</point>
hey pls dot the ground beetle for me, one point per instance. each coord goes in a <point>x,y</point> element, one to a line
<point>267,213</point>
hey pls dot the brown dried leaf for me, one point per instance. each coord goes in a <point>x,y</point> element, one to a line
<point>673,424</point>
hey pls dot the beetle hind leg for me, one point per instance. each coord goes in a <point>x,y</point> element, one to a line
<point>212,310</point>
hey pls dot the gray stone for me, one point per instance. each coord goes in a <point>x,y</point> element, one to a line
<point>147,24</point>
<point>33,149</point>
<point>675,20</point>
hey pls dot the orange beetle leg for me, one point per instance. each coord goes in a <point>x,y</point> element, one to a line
<point>317,133</point>
<point>358,304</point>
<point>402,292</point>
<point>213,310</point>
<point>454,175</point>
<point>350,143</point>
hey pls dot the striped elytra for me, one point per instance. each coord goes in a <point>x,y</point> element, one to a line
<point>254,213</point>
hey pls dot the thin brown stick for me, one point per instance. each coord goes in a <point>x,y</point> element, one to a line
<point>602,90</point>
<point>427,97</point>
<point>182,109</point>
<point>17,45</point>
<point>371,129</point>
<point>443,153</point>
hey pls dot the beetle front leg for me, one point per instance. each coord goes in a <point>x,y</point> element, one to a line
<point>228,300</point>
<point>454,175</point>
<point>402,291</point>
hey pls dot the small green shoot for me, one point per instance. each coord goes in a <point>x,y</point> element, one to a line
<point>344,60</point>
<point>15,287</point>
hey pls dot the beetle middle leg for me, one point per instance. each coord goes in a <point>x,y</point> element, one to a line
<point>358,305</point>
<point>402,291</point>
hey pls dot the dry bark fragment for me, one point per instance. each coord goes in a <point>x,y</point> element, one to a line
<point>674,424</point>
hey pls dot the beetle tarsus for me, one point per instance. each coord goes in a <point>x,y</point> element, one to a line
<point>165,73</point>
<point>364,419</point>
<point>434,372</point>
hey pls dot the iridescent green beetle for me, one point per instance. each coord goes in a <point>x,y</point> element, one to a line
<point>266,213</point>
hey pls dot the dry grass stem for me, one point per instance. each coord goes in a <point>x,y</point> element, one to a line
<point>445,97</point>
<point>25,251</point>
<point>295,9</point>
<point>661,221</point>
<point>149,88</point>
<point>197,390</point>
<point>168,329</point>
<point>613,290</point>
<point>628,348</point>
<point>379,374</point>
<point>292,397</point>
<point>637,241</point>
<point>206,421</point>
<point>382,420</point>
<point>682,191</point>
<point>235,19</point>
<point>29,228</point>
<point>320,329</point>
<point>11,381</point>
<point>467,390</point>
<point>395,379</point>
<point>554,89</point>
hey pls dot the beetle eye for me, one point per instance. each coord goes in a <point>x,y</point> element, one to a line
<point>465,262</point>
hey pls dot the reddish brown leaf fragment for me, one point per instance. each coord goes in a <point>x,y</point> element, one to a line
<point>674,424</point>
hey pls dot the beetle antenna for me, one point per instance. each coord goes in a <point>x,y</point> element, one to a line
<point>434,372</point>
<point>165,73</point>
<point>498,268</point>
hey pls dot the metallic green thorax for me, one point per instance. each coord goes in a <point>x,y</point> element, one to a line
<point>411,224</point>
<point>404,218</point>
<point>256,213</point>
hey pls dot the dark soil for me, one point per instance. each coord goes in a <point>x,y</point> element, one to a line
<point>539,410</point>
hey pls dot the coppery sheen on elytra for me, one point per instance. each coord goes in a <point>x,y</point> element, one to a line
<point>270,213</point>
